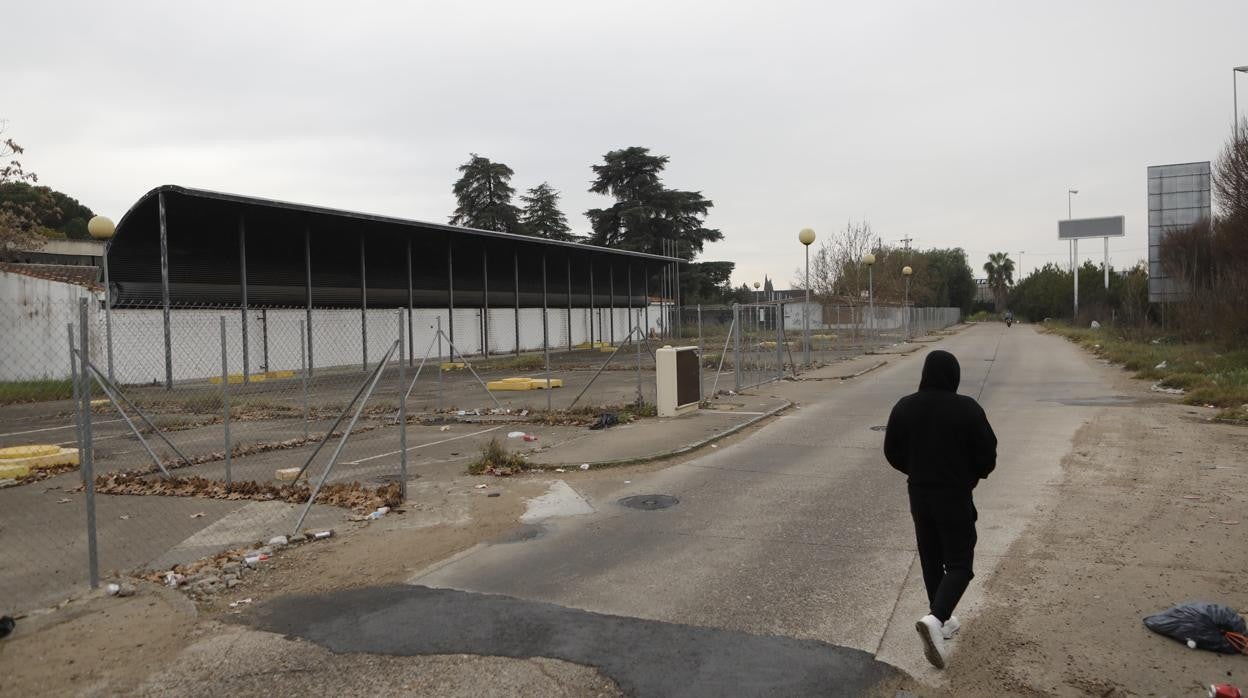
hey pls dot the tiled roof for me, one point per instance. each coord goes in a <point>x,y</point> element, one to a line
<point>65,273</point>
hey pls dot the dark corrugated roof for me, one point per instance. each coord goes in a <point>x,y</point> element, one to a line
<point>374,218</point>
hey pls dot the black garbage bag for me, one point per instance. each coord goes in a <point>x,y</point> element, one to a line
<point>1202,622</point>
<point>605,421</point>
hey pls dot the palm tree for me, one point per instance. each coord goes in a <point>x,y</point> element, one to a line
<point>1000,270</point>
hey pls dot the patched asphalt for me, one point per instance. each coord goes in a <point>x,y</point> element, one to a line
<point>644,657</point>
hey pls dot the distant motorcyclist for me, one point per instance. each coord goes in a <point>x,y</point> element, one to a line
<point>1009,318</point>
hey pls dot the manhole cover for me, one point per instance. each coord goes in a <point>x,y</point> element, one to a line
<point>650,502</point>
<point>880,427</point>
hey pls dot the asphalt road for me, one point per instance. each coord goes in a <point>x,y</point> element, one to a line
<point>802,530</point>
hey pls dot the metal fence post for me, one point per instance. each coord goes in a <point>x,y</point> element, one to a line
<point>403,348</point>
<point>225,401</point>
<point>779,353</point>
<point>736,344</point>
<point>303,366</point>
<point>73,374</point>
<point>546,334</point>
<point>449,341</point>
<point>701,349</point>
<point>87,464</point>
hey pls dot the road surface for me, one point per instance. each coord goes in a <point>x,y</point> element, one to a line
<point>799,531</point>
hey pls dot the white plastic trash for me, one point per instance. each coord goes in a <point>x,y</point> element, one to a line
<point>515,435</point>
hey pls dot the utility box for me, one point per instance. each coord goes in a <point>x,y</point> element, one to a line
<point>679,376</point>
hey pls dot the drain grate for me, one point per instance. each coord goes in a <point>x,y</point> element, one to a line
<point>880,427</point>
<point>650,502</point>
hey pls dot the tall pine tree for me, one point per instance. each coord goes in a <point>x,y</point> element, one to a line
<point>484,193</point>
<point>541,215</point>
<point>646,213</point>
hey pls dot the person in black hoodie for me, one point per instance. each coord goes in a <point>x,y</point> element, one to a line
<point>943,443</point>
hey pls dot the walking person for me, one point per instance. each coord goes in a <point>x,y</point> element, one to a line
<point>943,443</point>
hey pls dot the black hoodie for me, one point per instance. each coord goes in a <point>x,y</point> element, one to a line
<point>938,438</point>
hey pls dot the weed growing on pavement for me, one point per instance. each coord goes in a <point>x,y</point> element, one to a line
<point>1208,373</point>
<point>497,460</point>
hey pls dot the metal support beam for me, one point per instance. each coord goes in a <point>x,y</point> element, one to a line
<point>611,298</point>
<point>307,291</point>
<point>450,289</point>
<point>546,332</point>
<point>410,297</point>
<point>515,258</point>
<point>363,310</point>
<point>485,303</point>
<point>645,280</point>
<point>86,463</point>
<point>569,259</point>
<point>242,276</point>
<point>164,289</point>
<point>591,302</point>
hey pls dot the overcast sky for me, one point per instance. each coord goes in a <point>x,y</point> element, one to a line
<point>953,123</point>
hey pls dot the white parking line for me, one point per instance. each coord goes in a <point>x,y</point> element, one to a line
<point>67,426</point>
<point>433,443</point>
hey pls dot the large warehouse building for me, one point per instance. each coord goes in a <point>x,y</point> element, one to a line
<point>192,254</point>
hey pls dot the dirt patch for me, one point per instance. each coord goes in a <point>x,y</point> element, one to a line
<point>1140,523</point>
<point>99,645</point>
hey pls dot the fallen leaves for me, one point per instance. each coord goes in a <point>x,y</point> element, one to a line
<point>351,495</point>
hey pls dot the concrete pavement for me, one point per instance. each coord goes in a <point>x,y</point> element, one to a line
<point>802,530</point>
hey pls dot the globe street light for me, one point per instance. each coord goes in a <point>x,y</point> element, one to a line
<point>869,260</point>
<point>101,228</point>
<point>807,236</point>
<point>906,271</point>
<point>757,301</point>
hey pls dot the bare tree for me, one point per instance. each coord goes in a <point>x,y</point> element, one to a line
<point>1230,178</point>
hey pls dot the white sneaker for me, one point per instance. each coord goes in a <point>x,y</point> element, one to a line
<point>950,627</point>
<point>929,629</point>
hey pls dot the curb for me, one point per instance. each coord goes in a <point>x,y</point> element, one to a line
<point>548,467</point>
<point>848,377</point>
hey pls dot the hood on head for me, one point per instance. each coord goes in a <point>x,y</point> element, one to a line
<point>941,372</point>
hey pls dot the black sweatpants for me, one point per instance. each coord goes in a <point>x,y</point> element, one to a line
<point>944,527</point>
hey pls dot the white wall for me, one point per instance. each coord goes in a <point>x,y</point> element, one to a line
<point>34,312</point>
<point>34,343</point>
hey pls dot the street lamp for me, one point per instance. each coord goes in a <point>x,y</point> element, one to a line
<point>906,271</point>
<point>101,228</point>
<point>758,313</point>
<point>807,236</point>
<point>1074,254</point>
<point>869,260</point>
<point>1235,95</point>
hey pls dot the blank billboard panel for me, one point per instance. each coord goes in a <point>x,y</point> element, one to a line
<point>1110,227</point>
<point>1178,196</point>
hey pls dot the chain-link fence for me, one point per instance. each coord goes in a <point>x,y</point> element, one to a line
<point>211,428</point>
<point>755,343</point>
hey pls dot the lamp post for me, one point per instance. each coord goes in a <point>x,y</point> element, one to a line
<point>1020,264</point>
<point>869,260</point>
<point>101,228</point>
<point>758,314</point>
<point>1074,254</point>
<point>806,236</point>
<point>906,271</point>
<point>1235,95</point>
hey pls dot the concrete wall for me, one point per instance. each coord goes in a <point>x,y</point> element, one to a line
<point>34,343</point>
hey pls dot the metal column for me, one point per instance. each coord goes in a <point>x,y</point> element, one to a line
<point>645,280</point>
<point>450,289</point>
<point>409,299</point>
<point>87,465</point>
<point>546,332</point>
<point>242,275</point>
<point>164,289</point>
<point>591,303</point>
<point>485,302</point>
<point>611,297</point>
<point>363,310</point>
<point>307,291</point>
<point>516,263</point>
<point>569,301</point>
<point>108,312</point>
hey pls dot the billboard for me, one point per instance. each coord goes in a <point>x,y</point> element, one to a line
<point>1178,196</point>
<point>1111,227</point>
